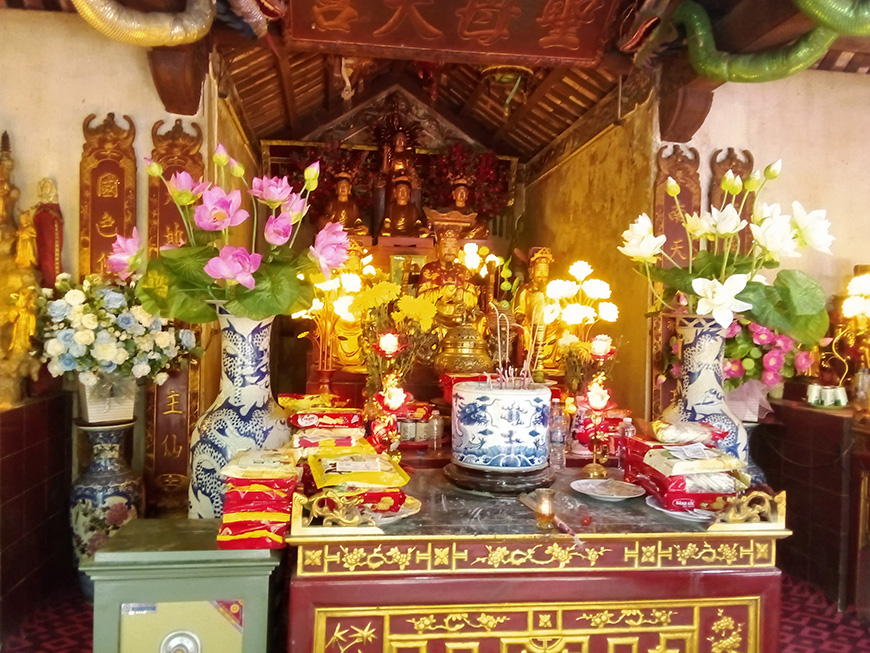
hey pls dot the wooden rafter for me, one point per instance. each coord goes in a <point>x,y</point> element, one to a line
<point>554,77</point>
<point>473,99</point>
<point>288,87</point>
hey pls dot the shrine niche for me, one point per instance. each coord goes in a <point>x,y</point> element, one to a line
<point>682,166</point>
<point>173,407</point>
<point>107,190</point>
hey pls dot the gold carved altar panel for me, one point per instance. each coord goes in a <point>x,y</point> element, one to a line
<point>715,625</point>
<point>107,190</point>
<point>173,407</point>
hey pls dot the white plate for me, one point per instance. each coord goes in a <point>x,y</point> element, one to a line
<point>607,489</point>
<point>411,506</point>
<point>690,515</point>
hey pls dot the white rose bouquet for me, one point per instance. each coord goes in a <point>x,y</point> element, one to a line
<point>98,329</point>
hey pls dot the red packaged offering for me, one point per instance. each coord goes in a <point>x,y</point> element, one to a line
<point>327,418</point>
<point>251,535</point>
<point>269,510</point>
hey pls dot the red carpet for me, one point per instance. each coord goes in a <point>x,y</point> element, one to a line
<point>810,624</point>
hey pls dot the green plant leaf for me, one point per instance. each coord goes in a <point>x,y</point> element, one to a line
<point>187,264</point>
<point>802,294</point>
<point>161,293</point>
<point>277,289</point>
<point>778,307</point>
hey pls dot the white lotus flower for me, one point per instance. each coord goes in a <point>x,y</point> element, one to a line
<point>580,270</point>
<point>720,299</point>
<point>699,226</point>
<point>767,211</point>
<point>578,314</point>
<point>776,238</point>
<point>74,297</point>
<point>726,222</point>
<point>608,311</point>
<point>562,289</point>
<point>54,347</point>
<point>596,289</point>
<point>84,337</point>
<point>639,229</point>
<point>567,340</point>
<point>643,250</point>
<point>812,228</point>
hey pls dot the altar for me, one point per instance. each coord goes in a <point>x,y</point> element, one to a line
<point>472,572</point>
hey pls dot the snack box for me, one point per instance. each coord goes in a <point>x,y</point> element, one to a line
<point>294,403</point>
<point>418,411</point>
<point>669,490</point>
<point>327,418</point>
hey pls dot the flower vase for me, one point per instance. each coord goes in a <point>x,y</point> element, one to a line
<point>105,497</point>
<point>111,399</point>
<point>700,396</point>
<point>243,416</point>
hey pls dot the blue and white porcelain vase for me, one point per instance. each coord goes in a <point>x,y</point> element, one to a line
<point>501,430</point>
<point>700,396</point>
<point>243,416</point>
<point>105,497</point>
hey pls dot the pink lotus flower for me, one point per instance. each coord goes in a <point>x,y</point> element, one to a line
<point>761,335</point>
<point>733,369</point>
<point>184,190</point>
<point>278,229</point>
<point>770,378</point>
<point>676,368</point>
<point>774,360</point>
<point>272,191</point>
<point>295,207</point>
<point>125,255</point>
<point>330,249</point>
<point>733,329</point>
<point>803,361</point>
<point>784,343</point>
<point>219,210</point>
<point>234,264</point>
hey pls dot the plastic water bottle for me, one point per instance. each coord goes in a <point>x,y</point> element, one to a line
<point>436,427</point>
<point>558,433</point>
<point>626,430</point>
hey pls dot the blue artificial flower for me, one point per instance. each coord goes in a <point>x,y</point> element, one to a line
<point>107,367</point>
<point>66,336</point>
<point>126,321</point>
<point>58,310</point>
<point>67,362</point>
<point>188,340</point>
<point>103,338</point>
<point>156,324</point>
<point>113,300</point>
<point>78,350</point>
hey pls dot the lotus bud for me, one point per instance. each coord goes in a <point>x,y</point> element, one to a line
<point>673,188</point>
<point>154,169</point>
<point>727,181</point>
<point>737,185</point>
<point>236,168</point>
<point>772,171</point>
<point>220,156</point>
<point>312,172</point>
<point>753,182</point>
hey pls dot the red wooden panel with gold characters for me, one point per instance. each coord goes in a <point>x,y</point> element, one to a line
<point>530,32</point>
<point>173,408</point>
<point>107,190</point>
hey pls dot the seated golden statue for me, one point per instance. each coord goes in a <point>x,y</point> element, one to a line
<point>343,207</point>
<point>448,284</point>
<point>458,216</point>
<point>529,305</point>
<point>402,218</point>
<point>347,332</point>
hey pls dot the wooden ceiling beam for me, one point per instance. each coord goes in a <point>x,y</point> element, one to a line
<point>288,85</point>
<point>473,99</point>
<point>554,77</point>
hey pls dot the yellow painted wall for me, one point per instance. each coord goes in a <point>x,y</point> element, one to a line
<point>580,209</point>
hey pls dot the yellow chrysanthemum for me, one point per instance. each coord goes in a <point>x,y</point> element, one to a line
<point>418,309</point>
<point>378,295</point>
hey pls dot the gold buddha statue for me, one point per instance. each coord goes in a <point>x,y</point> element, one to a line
<point>458,216</point>
<point>343,207</point>
<point>402,217</point>
<point>347,349</point>
<point>529,305</point>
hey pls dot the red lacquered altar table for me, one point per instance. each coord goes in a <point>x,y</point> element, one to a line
<point>473,573</point>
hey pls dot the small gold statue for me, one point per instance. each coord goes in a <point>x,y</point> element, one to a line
<point>23,318</point>
<point>448,284</point>
<point>529,305</point>
<point>402,218</point>
<point>347,350</point>
<point>25,250</point>
<point>9,193</point>
<point>458,216</point>
<point>398,161</point>
<point>343,207</point>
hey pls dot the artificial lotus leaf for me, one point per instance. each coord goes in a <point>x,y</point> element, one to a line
<point>187,264</point>
<point>774,307</point>
<point>800,292</point>
<point>275,290</point>
<point>161,293</point>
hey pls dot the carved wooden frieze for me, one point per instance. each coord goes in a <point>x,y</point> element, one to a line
<point>173,407</point>
<point>682,166</point>
<point>543,32</point>
<point>107,190</point>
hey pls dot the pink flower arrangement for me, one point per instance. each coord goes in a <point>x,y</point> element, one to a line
<point>125,255</point>
<point>756,352</point>
<point>186,281</point>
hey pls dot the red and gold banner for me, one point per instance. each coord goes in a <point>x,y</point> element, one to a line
<point>107,190</point>
<point>173,408</point>
<point>546,32</point>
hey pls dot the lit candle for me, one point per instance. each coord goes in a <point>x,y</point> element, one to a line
<point>546,512</point>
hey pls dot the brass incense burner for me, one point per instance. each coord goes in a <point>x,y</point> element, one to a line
<point>462,350</point>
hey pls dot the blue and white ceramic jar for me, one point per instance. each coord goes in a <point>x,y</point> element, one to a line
<point>243,416</point>
<point>700,396</point>
<point>500,430</point>
<point>105,497</point>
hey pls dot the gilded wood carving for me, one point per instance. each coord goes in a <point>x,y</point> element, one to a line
<point>107,190</point>
<point>173,408</point>
<point>742,167</point>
